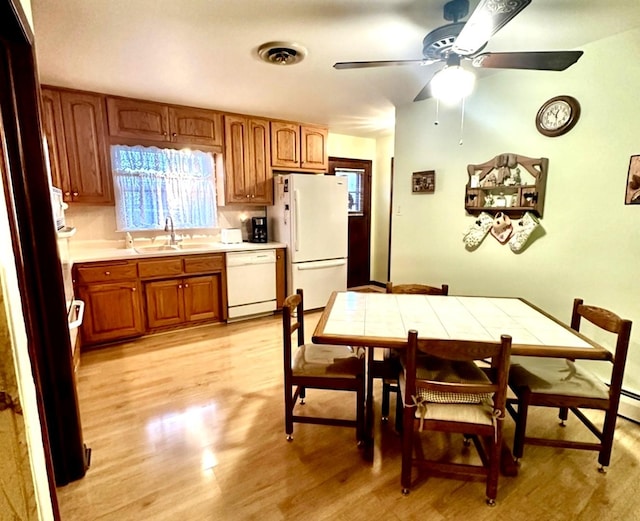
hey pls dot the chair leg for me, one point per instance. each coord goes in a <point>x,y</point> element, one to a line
<point>384,408</point>
<point>302,395</point>
<point>521,425</point>
<point>563,414</point>
<point>494,468</point>
<point>608,431</point>
<point>399,411</point>
<point>288,412</point>
<point>407,449</point>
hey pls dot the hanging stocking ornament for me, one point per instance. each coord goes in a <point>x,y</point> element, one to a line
<point>477,231</point>
<point>501,228</point>
<point>522,231</point>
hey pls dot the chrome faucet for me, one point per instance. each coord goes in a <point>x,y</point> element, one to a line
<point>168,227</point>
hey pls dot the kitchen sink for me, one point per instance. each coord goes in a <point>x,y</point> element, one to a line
<point>161,247</point>
<point>176,247</point>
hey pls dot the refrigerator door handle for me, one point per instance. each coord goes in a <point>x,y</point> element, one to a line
<point>319,265</point>
<point>296,219</point>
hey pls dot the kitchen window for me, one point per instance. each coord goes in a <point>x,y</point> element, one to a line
<point>152,184</point>
<point>355,187</point>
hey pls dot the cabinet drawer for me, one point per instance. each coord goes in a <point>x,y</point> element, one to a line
<point>160,267</point>
<point>106,272</point>
<point>203,263</point>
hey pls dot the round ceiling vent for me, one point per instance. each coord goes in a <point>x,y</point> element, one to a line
<point>281,53</point>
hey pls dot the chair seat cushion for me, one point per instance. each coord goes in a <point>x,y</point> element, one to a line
<point>555,376</point>
<point>477,408</point>
<point>327,360</point>
<point>437,369</point>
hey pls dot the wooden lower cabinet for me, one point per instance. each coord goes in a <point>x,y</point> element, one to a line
<point>113,311</point>
<point>181,301</point>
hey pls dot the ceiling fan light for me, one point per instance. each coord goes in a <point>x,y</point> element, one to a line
<point>452,83</point>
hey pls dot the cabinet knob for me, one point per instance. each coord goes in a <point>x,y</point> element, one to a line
<point>186,285</point>
<point>179,286</point>
<point>164,133</point>
<point>75,194</point>
<point>133,289</point>
<point>67,194</point>
<point>174,134</point>
<point>107,273</point>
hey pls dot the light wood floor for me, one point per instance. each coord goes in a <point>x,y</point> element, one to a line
<point>189,426</point>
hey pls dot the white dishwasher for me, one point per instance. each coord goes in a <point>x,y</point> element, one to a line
<point>251,282</point>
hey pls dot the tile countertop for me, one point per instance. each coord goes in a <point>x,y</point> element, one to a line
<point>94,251</point>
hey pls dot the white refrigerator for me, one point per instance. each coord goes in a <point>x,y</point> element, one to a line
<point>310,215</point>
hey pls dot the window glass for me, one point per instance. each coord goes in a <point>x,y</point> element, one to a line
<point>152,184</point>
<point>355,186</point>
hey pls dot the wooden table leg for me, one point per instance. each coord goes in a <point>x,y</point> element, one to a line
<point>369,402</point>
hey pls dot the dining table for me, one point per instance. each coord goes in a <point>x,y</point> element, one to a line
<point>383,320</point>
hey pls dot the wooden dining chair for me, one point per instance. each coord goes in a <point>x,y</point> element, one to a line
<point>318,366</point>
<point>454,395</point>
<point>570,385</point>
<point>388,369</point>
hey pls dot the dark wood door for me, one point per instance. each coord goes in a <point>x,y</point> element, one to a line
<point>359,173</point>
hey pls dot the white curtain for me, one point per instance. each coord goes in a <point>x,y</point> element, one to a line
<point>152,184</point>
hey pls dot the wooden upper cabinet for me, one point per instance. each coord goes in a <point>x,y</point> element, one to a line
<point>84,122</point>
<point>248,175</point>
<point>285,145</point>
<point>299,147</point>
<point>313,154</point>
<point>57,149</point>
<point>138,119</point>
<point>147,120</point>
<point>197,126</point>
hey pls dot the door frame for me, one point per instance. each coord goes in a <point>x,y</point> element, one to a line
<point>366,165</point>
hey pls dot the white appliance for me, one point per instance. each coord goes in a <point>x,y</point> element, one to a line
<point>231,236</point>
<point>310,215</point>
<point>251,283</point>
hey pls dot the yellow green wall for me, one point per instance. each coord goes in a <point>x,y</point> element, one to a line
<point>591,242</point>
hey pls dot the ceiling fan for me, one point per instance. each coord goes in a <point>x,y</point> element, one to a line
<point>456,41</point>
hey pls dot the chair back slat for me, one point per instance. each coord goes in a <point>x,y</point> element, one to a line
<point>418,289</point>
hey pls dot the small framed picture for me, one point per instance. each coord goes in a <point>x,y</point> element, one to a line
<point>423,182</point>
<point>633,181</point>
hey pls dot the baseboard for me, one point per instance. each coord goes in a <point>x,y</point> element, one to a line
<point>378,284</point>
<point>629,406</point>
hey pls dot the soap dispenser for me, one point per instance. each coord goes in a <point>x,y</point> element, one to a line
<point>128,241</point>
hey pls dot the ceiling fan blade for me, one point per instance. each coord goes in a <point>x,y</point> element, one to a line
<point>486,20</point>
<point>381,63</point>
<point>541,61</point>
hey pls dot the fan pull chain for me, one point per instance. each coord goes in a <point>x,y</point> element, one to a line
<point>436,122</point>
<point>461,142</point>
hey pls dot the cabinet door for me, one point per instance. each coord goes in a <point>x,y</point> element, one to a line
<point>285,145</point>
<point>261,177</point>
<point>165,303</point>
<point>54,132</point>
<point>112,311</point>
<point>314,154</point>
<point>202,298</point>
<point>236,159</point>
<point>138,119</point>
<point>195,126</point>
<point>84,131</point>
<point>281,286</point>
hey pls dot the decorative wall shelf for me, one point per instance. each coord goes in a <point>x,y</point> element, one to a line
<point>508,183</point>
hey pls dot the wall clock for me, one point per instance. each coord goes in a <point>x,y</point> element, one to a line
<point>557,116</point>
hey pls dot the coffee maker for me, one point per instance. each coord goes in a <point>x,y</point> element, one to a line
<point>258,229</point>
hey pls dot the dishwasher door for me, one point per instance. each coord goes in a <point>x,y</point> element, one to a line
<point>251,283</point>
